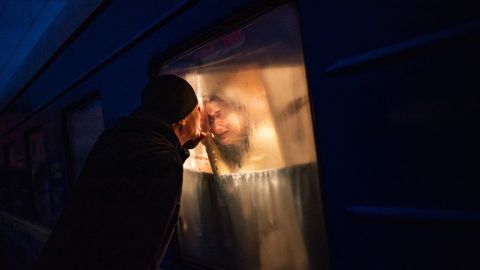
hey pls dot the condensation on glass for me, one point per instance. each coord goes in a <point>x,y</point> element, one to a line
<point>251,191</point>
<point>84,125</point>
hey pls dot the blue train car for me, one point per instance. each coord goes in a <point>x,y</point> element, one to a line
<point>355,144</point>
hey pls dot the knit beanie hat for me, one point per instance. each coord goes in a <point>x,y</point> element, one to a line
<point>169,97</point>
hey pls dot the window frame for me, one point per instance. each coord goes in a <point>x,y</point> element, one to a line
<point>236,21</point>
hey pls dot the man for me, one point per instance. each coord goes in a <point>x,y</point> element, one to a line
<point>124,208</point>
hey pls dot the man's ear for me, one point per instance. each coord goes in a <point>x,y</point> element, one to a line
<point>179,125</point>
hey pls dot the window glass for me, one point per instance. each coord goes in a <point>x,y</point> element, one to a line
<point>250,195</point>
<point>84,126</point>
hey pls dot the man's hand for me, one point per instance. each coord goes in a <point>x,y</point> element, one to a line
<point>194,142</point>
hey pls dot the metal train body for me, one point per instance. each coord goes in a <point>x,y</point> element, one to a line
<point>393,103</point>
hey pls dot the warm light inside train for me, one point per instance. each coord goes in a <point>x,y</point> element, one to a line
<point>251,191</point>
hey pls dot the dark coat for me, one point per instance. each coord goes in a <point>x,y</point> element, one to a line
<point>125,205</point>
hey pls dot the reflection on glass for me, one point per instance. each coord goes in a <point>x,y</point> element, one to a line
<point>251,196</point>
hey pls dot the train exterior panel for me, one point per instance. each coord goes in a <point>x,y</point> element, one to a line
<point>392,97</point>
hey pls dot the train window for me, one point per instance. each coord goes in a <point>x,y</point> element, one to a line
<point>37,164</point>
<point>84,125</point>
<point>251,195</point>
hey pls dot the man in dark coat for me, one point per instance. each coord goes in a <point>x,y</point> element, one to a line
<point>125,205</point>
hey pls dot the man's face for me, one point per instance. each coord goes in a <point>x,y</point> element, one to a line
<point>226,124</point>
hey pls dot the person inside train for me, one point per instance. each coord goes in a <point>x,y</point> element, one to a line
<point>239,119</point>
<point>125,205</point>
<point>230,128</point>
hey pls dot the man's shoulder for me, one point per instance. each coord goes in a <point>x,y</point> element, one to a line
<point>136,142</point>
<point>126,154</point>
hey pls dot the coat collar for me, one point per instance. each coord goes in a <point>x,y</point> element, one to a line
<point>164,128</point>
